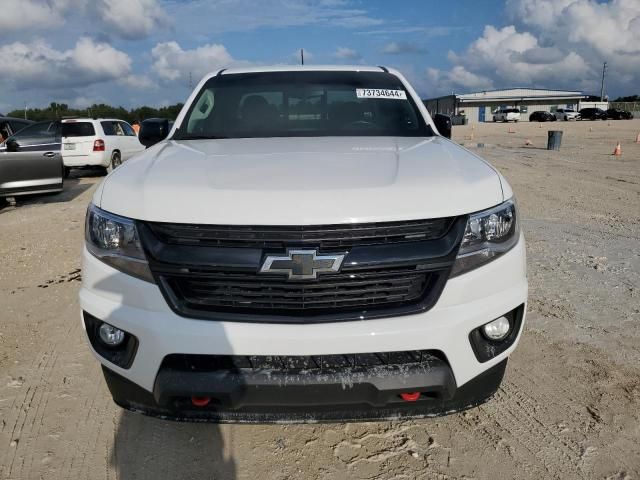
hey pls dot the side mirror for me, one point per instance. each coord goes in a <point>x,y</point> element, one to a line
<point>443,124</point>
<point>12,145</point>
<point>153,130</point>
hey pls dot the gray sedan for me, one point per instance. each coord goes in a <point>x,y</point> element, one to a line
<point>31,161</point>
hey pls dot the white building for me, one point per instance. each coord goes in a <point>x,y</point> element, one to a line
<point>478,106</point>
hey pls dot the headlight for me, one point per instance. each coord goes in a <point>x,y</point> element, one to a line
<point>114,240</point>
<point>488,235</point>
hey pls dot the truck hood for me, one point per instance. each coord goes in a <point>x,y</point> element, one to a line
<point>287,181</point>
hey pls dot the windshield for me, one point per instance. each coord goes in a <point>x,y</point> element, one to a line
<point>303,104</point>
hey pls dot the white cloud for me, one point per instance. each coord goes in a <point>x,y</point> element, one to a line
<point>424,31</point>
<point>37,64</point>
<point>344,53</point>
<point>21,14</point>
<point>608,28</point>
<point>507,58</point>
<point>132,19</point>
<point>443,82</point>
<point>220,16</point>
<point>400,48</point>
<point>129,19</point>
<point>137,82</point>
<point>554,44</point>
<point>172,63</point>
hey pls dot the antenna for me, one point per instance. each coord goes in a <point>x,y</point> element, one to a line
<point>604,69</point>
<point>302,56</point>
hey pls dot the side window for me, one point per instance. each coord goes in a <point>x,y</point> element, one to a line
<point>128,130</point>
<point>43,133</point>
<point>108,128</point>
<point>118,129</point>
<point>16,125</point>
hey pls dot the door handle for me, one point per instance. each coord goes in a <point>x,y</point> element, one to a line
<point>49,154</point>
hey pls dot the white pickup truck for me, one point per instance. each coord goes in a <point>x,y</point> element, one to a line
<point>307,244</point>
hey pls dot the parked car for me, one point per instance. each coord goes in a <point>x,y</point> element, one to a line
<point>30,161</point>
<point>307,244</point>
<point>102,142</point>
<point>506,115</point>
<point>566,114</point>
<point>11,125</point>
<point>593,114</point>
<point>542,116</point>
<point>617,114</point>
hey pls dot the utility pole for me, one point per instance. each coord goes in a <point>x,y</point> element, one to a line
<point>25,110</point>
<point>190,81</point>
<point>302,56</point>
<point>604,69</point>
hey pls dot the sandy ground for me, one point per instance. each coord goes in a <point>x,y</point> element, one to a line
<point>569,407</point>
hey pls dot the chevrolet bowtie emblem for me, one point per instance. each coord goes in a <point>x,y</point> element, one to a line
<point>301,264</point>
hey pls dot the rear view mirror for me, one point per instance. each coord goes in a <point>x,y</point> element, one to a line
<point>153,130</point>
<point>12,145</point>
<point>443,124</point>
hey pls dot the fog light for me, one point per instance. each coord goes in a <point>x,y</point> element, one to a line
<point>111,335</point>
<point>498,329</point>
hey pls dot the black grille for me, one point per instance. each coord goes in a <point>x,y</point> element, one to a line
<point>293,363</point>
<point>389,269</point>
<point>323,236</point>
<point>347,291</point>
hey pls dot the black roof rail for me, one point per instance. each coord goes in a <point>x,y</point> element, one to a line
<point>384,69</point>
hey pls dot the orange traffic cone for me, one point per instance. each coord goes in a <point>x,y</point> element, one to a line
<point>511,130</point>
<point>638,138</point>
<point>528,142</point>
<point>591,129</point>
<point>539,125</point>
<point>618,150</point>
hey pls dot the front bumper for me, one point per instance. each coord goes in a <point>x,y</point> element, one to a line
<point>467,302</point>
<point>308,404</point>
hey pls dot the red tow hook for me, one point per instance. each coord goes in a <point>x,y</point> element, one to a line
<point>410,396</point>
<point>200,401</point>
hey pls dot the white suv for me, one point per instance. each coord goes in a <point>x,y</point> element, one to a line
<point>506,115</point>
<point>305,245</point>
<point>102,142</point>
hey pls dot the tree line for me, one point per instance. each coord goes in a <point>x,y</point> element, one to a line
<point>101,110</point>
<point>630,98</point>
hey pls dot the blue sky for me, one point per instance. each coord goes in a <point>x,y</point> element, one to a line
<point>134,52</point>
